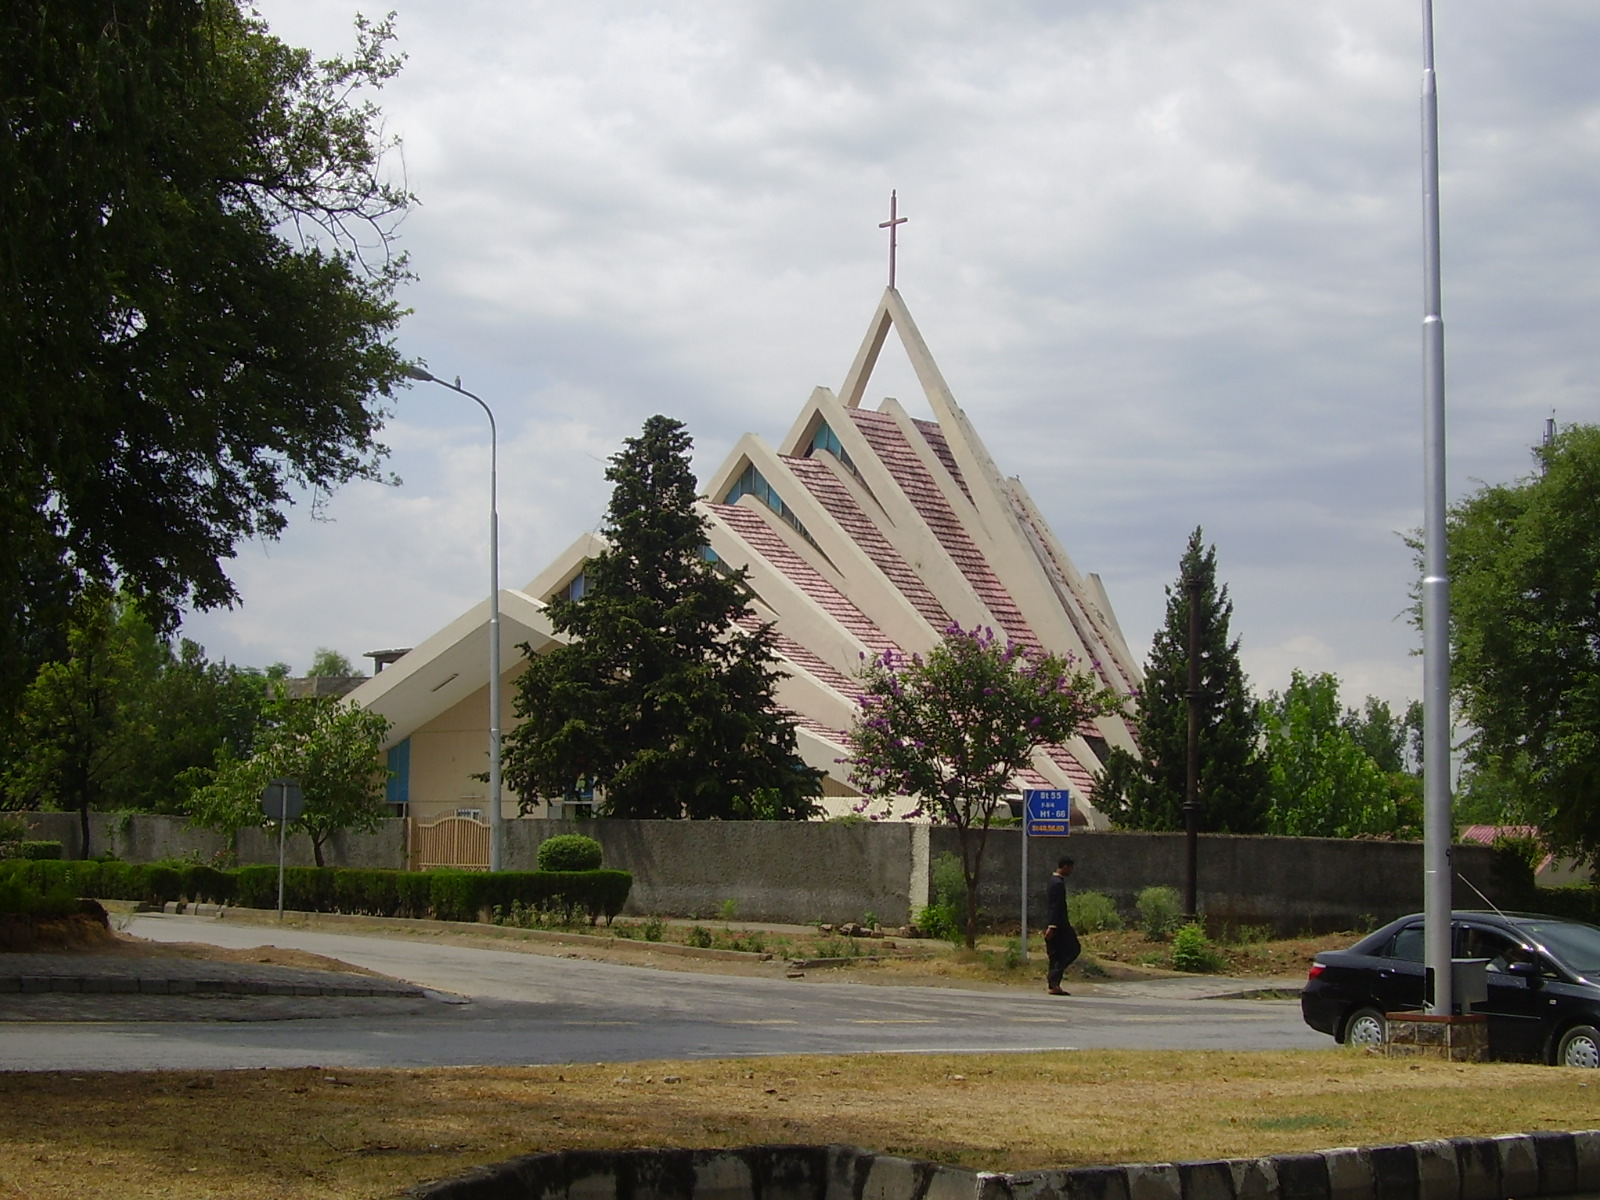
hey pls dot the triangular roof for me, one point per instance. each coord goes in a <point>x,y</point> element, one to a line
<point>861,530</point>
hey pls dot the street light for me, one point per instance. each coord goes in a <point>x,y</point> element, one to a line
<point>496,831</point>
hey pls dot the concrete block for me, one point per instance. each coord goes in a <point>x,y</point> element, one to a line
<point>592,1185</point>
<point>1302,1177</point>
<point>1558,1162</point>
<point>123,984</point>
<point>10,983</point>
<point>67,983</point>
<point>1350,1175</point>
<point>1437,1175</point>
<point>1154,1181</point>
<point>954,1183</point>
<point>152,987</point>
<point>1254,1178</point>
<point>1519,1165</point>
<point>1394,1172</point>
<point>1586,1149</point>
<point>182,987</point>
<point>1478,1165</point>
<point>993,1186</point>
<point>1207,1181</point>
<point>790,1172</point>
<point>890,1178</point>
<point>35,984</point>
<point>725,1176</point>
<point>1096,1183</point>
<point>98,984</point>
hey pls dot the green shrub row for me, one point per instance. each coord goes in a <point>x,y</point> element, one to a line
<point>1577,901</point>
<point>443,895</point>
<point>40,850</point>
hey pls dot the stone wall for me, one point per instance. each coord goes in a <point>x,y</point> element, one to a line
<point>1495,1168</point>
<point>1294,885</point>
<point>806,872</point>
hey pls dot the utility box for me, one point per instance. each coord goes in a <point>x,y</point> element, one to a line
<point>1469,983</point>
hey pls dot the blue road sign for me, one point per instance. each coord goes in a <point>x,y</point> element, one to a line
<point>1047,812</point>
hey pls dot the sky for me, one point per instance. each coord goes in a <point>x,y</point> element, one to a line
<point>1167,254</point>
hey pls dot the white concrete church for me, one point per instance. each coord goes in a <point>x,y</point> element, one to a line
<point>861,530</point>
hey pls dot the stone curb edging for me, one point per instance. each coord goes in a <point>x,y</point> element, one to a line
<point>1493,1168</point>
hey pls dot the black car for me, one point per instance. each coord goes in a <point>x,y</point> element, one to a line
<point>1543,975</point>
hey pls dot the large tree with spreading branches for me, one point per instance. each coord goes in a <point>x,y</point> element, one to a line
<point>196,296</point>
<point>951,729</point>
<point>663,699</point>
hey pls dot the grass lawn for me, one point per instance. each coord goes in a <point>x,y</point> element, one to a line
<point>347,1134</point>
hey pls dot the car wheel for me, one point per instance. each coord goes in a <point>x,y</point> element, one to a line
<point>1366,1028</point>
<point>1580,1047</point>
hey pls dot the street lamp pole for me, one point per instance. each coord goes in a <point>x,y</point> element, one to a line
<point>496,829</point>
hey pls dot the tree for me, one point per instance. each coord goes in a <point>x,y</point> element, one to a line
<point>79,734</point>
<point>1525,627</point>
<point>328,746</point>
<point>332,664</point>
<point>664,697</point>
<point>196,293</point>
<point>1320,781</point>
<point>1148,792</point>
<point>953,729</point>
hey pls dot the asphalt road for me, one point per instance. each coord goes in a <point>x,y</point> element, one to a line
<point>537,1008</point>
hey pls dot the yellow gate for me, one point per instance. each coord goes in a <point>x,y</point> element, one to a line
<point>448,842</point>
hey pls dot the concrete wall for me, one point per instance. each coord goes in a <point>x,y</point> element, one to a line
<point>805,872</point>
<point>772,870</point>
<point>1294,885</point>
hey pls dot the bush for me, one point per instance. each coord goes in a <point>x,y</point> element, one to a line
<point>569,852</point>
<point>1192,951</point>
<point>939,921</point>
<point>24,899</point>
<point>1092,912</point>
<point>1160,912</point>
<point>39,850</point>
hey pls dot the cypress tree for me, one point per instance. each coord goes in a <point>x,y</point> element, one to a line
<point>1148,792</point>
<point>663,699</point>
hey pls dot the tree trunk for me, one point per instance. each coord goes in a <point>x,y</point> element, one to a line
<point>316,849</point>
<point>83,825</point>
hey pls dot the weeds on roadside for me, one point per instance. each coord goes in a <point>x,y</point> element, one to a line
<point>1192,950</point>
<point>1160,912</point>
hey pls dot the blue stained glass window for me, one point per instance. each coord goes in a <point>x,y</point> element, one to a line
<point>826,439</point>
<point>753,483</point>
<point>398,788</point>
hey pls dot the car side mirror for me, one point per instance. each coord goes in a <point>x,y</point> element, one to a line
<point>1528,972</point>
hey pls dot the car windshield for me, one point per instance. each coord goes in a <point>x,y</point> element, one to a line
<point>1578,946</point>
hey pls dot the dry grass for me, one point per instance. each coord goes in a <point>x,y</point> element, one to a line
<point>347,1134</point>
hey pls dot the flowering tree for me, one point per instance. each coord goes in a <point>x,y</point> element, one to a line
<point>952,730</point>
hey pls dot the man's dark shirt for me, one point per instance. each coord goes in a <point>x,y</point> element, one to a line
<point>1055,901</point>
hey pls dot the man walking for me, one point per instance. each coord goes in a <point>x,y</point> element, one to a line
<point>1060,939</point>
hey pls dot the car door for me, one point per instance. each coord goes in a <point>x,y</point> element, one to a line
<point>1399,977</point>
<point>1518,1007</point>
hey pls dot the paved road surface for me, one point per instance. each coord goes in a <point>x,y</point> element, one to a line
<point>537,1008</point>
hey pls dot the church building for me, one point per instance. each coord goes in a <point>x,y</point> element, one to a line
<point>862,529</point>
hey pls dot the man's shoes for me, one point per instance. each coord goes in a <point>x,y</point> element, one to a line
<point>1058,991</point>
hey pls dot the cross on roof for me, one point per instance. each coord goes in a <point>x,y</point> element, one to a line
<point>892,224</point>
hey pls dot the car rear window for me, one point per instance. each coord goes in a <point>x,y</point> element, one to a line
<point>1407,945</point>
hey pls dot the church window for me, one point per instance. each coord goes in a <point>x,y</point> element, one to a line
<point>397,790</point>
<point>826,439</point>
<point>753,483</point>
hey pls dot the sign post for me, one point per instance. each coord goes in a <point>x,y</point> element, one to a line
<point>1046,812</point>
<point>282,801</point>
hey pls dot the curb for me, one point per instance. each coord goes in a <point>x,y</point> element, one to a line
<point>1495,1168</point>
<point>140,985</point>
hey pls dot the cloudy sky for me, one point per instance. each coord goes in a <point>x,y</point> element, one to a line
<point>1167,254</point>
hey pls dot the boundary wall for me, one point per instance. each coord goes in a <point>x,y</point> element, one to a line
<point>1516,1166</point>
<point>801,872</point>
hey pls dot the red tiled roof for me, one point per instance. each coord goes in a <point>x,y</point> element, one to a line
<point>825,486</point>
<point>883,432</point>
<point>934,436</point>
<point>771,547</point>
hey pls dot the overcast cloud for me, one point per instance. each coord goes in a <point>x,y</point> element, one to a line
<point>1168,255</point>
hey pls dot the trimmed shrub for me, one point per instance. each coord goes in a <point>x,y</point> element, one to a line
<point>569,852</point>
<point>1193,951</point>
<point>1160,912</point>
<point>1092,912</point>
<point>39,850</point>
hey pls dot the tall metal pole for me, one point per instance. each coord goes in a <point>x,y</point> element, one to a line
<point>1191,787</point>
<point>496,826</point>
<point>1436,869</point>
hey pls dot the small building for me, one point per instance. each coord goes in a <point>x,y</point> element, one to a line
<point>862,529</point>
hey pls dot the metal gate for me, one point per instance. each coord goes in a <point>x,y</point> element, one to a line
<point>448,842</point>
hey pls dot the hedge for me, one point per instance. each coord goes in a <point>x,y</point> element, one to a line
<point>444,895</point>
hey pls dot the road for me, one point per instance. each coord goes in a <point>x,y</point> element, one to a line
<point>537,1008</point>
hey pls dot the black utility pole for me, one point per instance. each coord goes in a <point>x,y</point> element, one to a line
<point>1191,790</point>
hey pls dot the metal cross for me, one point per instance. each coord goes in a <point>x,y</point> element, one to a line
<point>891,225</point>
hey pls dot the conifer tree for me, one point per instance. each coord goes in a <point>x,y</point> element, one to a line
<point>663,699</point>
<point>1148,792</point>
